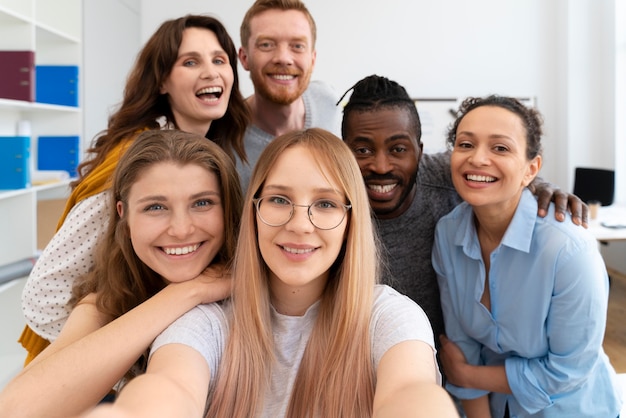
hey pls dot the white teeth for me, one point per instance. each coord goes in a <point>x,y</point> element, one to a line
<point>382,188</point>
<point>482,179</point>
<point>181,250</point>
<point>298,250</point>
<point>283,77</point>
<point>209,90</point>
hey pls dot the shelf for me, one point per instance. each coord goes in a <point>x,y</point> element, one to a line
<point>54,189</point>
<point>11,16</point>
<point>22,106</point>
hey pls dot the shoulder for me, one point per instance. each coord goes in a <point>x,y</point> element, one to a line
<point>396,318</point>
<point>566,233</point>
<point>320,89</point>
<point>434,171</point>
<point>390,306</point>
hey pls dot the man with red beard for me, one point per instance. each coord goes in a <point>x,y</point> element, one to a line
<point>278,49</point>
<point>409,191</point>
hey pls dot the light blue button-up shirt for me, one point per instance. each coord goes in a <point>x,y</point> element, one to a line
<point>549,292</point>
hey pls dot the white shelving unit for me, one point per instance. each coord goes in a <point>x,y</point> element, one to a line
<point>53,30</point>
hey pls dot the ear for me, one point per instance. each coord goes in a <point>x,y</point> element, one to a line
<point>120,208</point>
<point>420,147</point>
<point>243,58</point>
<point>533,170</point>
<point>314,56</point>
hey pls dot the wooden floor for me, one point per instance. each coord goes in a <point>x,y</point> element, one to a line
<point>615,336</point>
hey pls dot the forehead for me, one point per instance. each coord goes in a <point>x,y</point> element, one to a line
<point>275,23</point>
<point>199,39</point>
<point>299,168</point>
<point>167,176</point>
<point>493,119</point>
<point>380,123</point>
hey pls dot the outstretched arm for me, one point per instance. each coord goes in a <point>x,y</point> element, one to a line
<point>176,384</point>
<point>406,384</point>
<point>89,357</point>
<point>563,201</point>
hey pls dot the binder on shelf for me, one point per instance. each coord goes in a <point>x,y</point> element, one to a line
<point>58,153</point>
<point>14,162</point>
<point>56,84</point>
<point>17,75</point>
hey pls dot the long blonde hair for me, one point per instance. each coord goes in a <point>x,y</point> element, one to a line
<point>338,354</point>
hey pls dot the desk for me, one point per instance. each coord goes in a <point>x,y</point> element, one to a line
<point>612,215</point>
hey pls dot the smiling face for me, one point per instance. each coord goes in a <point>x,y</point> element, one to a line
<point>200,82</point>
<point>176,219</point>
<point>387,150</point>
<point>280,55</point>
<point>298,254</point>
<point>489,162</point>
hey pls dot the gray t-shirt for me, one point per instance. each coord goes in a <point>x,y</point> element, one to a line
<point>408,239</point>
<point>320,111</point>
<point>395,318</point>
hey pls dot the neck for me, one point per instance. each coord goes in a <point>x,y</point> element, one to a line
<point>294,300</point>
<point>276,119</point>
<point>492,222</point>
<point>198,129</point>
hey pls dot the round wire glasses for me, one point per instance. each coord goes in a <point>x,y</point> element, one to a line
<point>276,210</point>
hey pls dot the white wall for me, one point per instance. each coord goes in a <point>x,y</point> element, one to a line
<point>110,44</point>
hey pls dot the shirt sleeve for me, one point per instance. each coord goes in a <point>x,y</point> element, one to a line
<point>203,328</point>
<point>68,255</point>
<point>575,329</point>
<point>396,319</point>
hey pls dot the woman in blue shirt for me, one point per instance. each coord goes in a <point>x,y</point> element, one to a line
<point>524,298</point>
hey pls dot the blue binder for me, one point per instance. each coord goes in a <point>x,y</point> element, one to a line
<point>58,153</point>
<point>14,162</point>
<point>56,84</point>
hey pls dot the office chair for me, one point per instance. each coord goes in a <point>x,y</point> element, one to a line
<point>594,184</point>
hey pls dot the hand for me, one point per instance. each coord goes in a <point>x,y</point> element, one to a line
<point>547,192</point>
<point>453,361</point>
<point>217,281</point>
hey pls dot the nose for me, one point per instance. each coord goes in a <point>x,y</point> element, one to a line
<point>209,71</point>
<point>300,221</point>
<point>283,55</point>
<point>480,156</point>
<point>181,225</point>
<point>380,163</point>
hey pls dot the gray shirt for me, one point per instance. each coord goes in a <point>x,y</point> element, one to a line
<point>320,111</point>
<point>408,239</point>
<point>395,318</point>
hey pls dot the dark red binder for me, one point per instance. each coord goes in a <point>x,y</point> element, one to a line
<point>17,75</point>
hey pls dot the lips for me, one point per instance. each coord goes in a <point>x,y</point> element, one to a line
<point>382,188</point>
<point>480,178</point>
<point>181,250</point>
<point>210,93</point>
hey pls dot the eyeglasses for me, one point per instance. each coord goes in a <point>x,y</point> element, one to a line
<point>275,210</point>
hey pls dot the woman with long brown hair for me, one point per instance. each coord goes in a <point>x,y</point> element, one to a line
<point>175,209</point>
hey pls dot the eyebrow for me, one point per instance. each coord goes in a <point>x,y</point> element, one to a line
<point>490,136</point>
<point>162,198</point>
<point>194,53</point>
<point>285,189</point>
